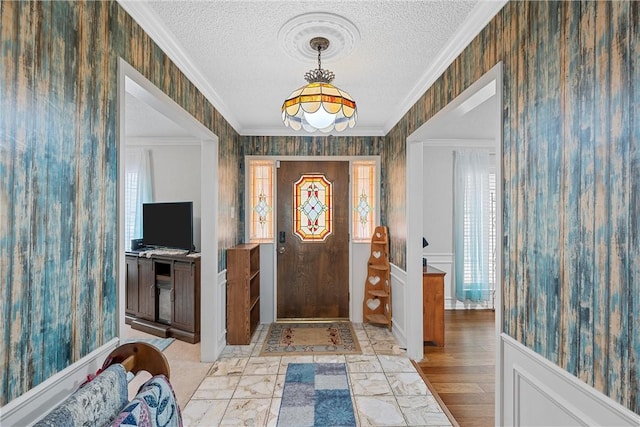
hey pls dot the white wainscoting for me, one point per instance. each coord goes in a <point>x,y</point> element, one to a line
<point>37,402</point>
<point>221,312</point>
<point>537,392</point>
<point>398,312</point>
<point>267,287</point>
<point>360,253</point>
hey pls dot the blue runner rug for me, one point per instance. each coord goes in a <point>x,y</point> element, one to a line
<point>316,394</point>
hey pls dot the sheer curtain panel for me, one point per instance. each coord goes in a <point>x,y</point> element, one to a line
<point>138,190</point>
<point>471,225</point>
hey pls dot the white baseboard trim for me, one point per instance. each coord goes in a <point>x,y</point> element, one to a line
<point>538,392</point>
<point>37,402</point>
<point>398,315</point>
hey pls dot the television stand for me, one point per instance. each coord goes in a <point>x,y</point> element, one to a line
<point>163,294</point>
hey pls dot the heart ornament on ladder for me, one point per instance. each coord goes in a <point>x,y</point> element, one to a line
<point>373,303</point>
<point>374,280</point>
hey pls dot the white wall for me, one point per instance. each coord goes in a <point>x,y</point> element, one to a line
<point>438,199</point>
<point>175,173</point>
<point>267,287</point>
<point>360,253</point>
<point>438,209</point>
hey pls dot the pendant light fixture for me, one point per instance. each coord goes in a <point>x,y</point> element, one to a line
<point>319,105</point>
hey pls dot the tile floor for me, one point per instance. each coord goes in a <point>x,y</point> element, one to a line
<point>243,388</point>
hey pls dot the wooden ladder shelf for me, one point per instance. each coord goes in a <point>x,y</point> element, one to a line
<point>377,288</point>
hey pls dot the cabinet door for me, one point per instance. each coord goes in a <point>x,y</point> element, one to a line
<point>183,296</point>
<point>146,290</point>
<point>131,306</point>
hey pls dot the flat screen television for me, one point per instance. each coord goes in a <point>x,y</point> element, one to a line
<point>168,225</point>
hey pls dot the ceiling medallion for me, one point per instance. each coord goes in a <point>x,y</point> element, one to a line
<point>295,34</point>
<point>319,105</point>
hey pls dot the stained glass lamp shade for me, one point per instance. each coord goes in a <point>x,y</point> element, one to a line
<point>319,105</point>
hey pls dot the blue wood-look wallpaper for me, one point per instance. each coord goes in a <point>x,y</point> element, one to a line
<point>58,178</point>
<point>571,287</point>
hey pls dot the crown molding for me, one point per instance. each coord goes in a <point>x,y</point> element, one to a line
<point>151,24</point>
<point>483,12</point>
<point>479,17</point>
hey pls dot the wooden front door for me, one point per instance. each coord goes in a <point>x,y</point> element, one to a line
<point>313,240</point>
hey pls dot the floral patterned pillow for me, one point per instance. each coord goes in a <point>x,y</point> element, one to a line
<point>154,405</point>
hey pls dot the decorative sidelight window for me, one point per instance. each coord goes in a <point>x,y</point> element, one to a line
<point>364,191</point>
<point>261,200</point>
<point>312,208</point>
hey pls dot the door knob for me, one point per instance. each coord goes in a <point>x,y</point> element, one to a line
<point>281,250</point>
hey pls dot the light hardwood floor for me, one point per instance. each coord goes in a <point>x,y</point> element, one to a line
<point>462,372</point>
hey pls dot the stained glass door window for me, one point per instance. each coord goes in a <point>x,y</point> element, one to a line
<point>261,201</point>
<point>364,193</point>
<point>312,208</point>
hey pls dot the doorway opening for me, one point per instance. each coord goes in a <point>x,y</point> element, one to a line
<point>485,93</point>
<point>134,88</point>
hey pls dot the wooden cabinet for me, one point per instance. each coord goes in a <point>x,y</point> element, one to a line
<point>243,293</point>
<point>131,298</point>
<point>163,295</point>
<point>186,313</point>
<point>433,306</point>
<point>146,290</point>
<point>377,288</point>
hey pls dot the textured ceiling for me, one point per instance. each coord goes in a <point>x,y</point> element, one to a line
<point>236,59</point>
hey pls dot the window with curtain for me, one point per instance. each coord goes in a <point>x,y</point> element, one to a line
<point>473,228</point>
<point>137,190</point>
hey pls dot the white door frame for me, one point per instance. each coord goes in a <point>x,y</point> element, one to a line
<point>355,289</point>
<point>130,80</point>
<point>414,159</point>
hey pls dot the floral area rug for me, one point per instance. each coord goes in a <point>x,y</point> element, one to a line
<point>310,338</point>
<point>316,394</point>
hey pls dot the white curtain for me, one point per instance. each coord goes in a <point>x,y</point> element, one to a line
<point>471,225</point>
<point>138,190</point>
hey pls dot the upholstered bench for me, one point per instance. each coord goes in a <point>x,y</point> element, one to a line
<point>103,401</point>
